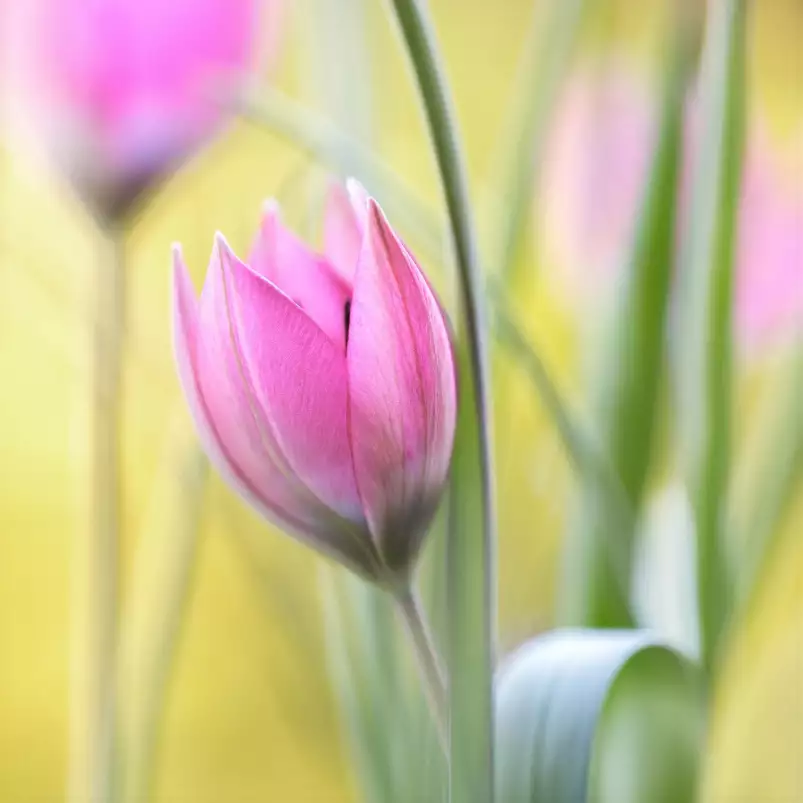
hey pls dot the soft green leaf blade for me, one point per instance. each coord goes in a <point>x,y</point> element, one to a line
<point>704,355</point>
<point>625,390</point>
<point>602,716</point>
<point>468,612</point>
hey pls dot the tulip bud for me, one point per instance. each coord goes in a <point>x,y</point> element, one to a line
<point>323,386</point>
<point>121,91</point>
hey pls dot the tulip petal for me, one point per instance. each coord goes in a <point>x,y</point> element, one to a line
<point>186,316</point>
<point>298,377</point>
<point>342,232</point>
<point>402,392</point>
<point>242,461</point>
<point>307,278</point>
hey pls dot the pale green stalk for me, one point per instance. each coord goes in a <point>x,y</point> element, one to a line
<point>429,665</point>
<point>160,588</point>
<point>625,390</point>
<point>471,541</point>
<point>92,707</point>
<point>704,356</point>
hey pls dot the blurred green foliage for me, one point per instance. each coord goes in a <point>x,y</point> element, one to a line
<point>250,714</point>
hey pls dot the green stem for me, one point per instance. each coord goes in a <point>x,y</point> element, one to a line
<point>93,719</point>
<point>429,664</point>
<point>704,361</point>
<point>471,541</point>
<point>160,590</point>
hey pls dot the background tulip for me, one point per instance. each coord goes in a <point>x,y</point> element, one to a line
<point>595,172</point>
<point>323,386</point>
<point>122,91</point>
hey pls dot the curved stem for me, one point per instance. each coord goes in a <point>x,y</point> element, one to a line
<point>93,718</point>
<point>429,664</point>
<point>471,540</point>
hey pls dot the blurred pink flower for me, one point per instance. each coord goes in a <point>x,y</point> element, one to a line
<point>122,90</point>
<point>595,170</point>
<point>323,386</point>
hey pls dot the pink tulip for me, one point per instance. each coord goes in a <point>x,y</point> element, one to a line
<point>323,386</point>
<point>595,171</point>
<point>122,90</point>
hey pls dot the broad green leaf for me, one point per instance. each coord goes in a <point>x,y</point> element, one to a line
<point>664,582</point>
<point>588,716</point>
<point>625,389</point>
<point>470,556</point>
<point>704,348</point>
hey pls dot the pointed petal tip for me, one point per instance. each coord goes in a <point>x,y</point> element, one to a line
<point>271,208</point>
<point>358,196</point>
<point>180,273</point>
<point>222,250</point>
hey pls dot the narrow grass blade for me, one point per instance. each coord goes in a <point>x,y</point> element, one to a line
<point>602,716</point>
<point>471,540</point>
<point>626,389</point>
<point>703,359</point>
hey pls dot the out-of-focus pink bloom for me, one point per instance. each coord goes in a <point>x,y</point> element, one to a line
<point>122,90</point>
<point>595,171</point>
<point>323,386</point>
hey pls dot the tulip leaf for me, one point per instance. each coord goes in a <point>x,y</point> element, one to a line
<point>625,388</point>
<point>597,716</point>
<point>704,354</point>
